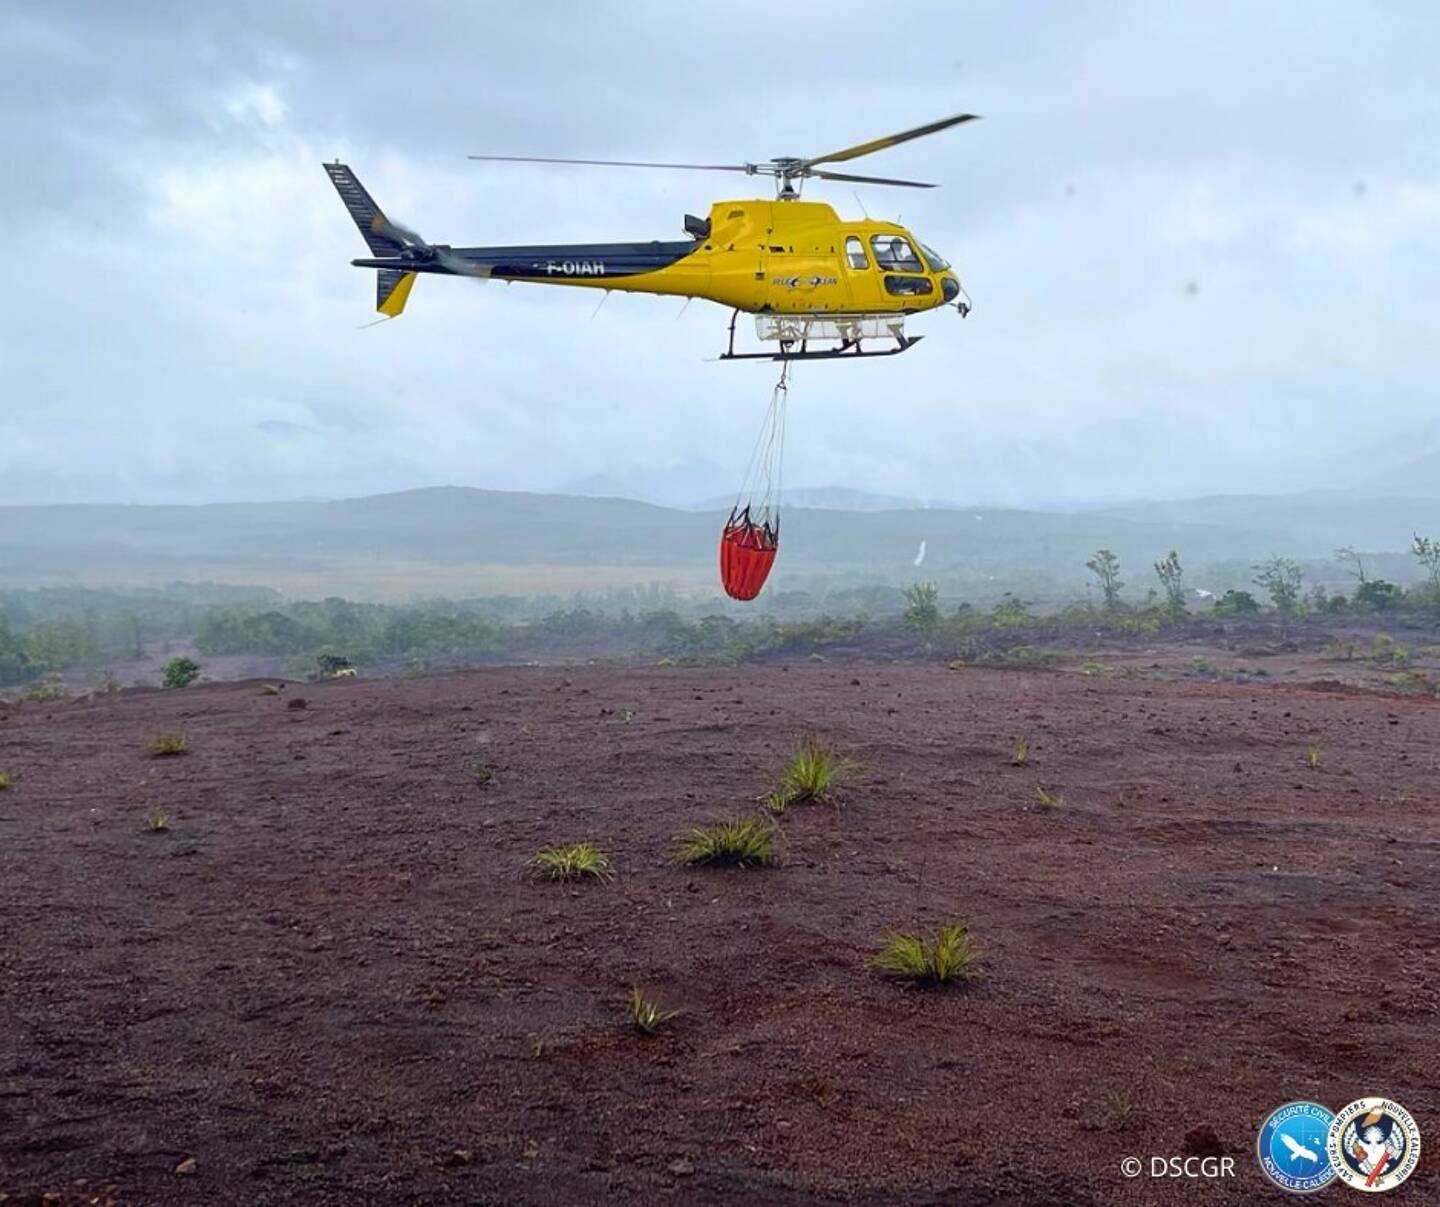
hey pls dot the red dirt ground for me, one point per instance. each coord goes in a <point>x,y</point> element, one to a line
<point>329,982</point>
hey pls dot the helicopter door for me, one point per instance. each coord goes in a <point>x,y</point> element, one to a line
<point>863,286</point>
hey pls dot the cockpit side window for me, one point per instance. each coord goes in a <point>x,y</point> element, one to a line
<point>855,252</point>
<point>894,253</point>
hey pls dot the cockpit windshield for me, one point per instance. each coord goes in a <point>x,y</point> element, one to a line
<point>938,263</point>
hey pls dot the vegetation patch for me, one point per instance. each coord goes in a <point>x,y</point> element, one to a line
<point>578,861</point>
<point>1120,1110</point>
<point>810,776</point>
<point>646,1014</point>
<point>747,842</point>
<point>1314,755</point>
<point>157,821</point>
<point>167,745</point>
<point>7,781</point>
<point>44,692</point>
<point>1050,800</point>
<point>949,956</point>
<point>180,672</point>
<point>1020,752</point>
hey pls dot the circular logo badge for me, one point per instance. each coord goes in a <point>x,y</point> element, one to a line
<point>1291,1147</point>
<point>1373,1144</point>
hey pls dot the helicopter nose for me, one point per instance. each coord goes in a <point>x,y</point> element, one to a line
<point>949,288</point>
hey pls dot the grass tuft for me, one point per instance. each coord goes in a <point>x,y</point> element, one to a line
<point>157,821</point>
<point>575,862</point>
<point>1120,1110</point>
<point>7,781</point>
<point>746,842</point>
<point>950,956</point>
<point>1020,752</point>
<point>270,689</point>
<point>646,1014</point>
<point>1051,800</point>
<point>1314,755</point>
<point>167,745</point>
<point>809,777</point>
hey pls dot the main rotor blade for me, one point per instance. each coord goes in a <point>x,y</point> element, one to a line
<point>621,163</point>
<point>909,184</point>
<point>879,144</point>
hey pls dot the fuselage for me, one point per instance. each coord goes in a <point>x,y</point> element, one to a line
<point>764,257</point>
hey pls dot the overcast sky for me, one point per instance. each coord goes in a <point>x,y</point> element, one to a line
<point>1203,241</point>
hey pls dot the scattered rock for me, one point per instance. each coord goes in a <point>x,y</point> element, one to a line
<point>1202,1142</point>
<point>186,1167</point>
<point>681,1168</point>
<point>460,1156</point>
<point>295,702</point>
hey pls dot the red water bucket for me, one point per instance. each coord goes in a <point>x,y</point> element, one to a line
<point>747,551</point>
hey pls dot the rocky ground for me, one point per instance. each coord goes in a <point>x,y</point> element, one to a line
<point>329,981</point>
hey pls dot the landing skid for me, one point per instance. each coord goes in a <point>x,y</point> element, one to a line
<point>848,349</point>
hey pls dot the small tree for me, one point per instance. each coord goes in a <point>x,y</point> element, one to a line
<point>1106,567</point>
<point>1346,554</point>
<point>1428,552</point>
<point>1283,579</point>
<point>922,607</point>
<point>180,672</point>
<point>1172,577</point>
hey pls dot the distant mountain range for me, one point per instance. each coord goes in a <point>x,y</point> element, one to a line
<point>461,525</point>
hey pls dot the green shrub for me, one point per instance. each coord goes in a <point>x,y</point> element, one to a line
<point>646,1014</point>
<point>574,862</point>
<point>157,821</point>
<point>44,692</point>
<point>1386,652</point>
<point>7,781</point>
<point>949,956</point>
<point>1237,603</point>
<point>1051,800</point>
<point>167,745</point>
<point>180,672</point>
<point>1378,595</point>
<point>810,775</point>
<point>747,842</point>
<point>922,607</point>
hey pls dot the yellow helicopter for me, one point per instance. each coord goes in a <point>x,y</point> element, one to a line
<point>809,278</point>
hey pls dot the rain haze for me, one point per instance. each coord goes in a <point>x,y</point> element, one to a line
<point>1202,242</point>
<point>444,759</point>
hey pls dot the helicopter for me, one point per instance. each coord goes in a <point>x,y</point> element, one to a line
<point>818,286</point>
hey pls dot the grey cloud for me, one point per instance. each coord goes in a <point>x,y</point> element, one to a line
<point>188,312</point>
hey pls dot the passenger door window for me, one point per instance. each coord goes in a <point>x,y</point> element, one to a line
<point>894,254</point>
<point>855,252</point>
